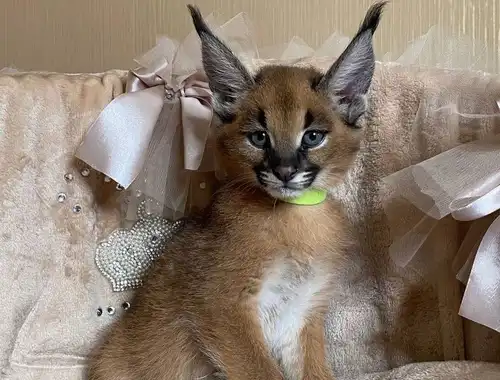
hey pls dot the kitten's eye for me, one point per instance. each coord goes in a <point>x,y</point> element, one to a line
<point>258,139</point>
<point>312,139</point>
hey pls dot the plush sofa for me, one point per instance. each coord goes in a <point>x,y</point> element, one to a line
<point>386,322</point>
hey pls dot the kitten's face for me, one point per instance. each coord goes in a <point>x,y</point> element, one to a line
<point>285,136</point>
<point>288,129</point>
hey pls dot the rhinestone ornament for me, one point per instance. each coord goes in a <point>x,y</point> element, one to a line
<point>107,179</point>
<point>85,172</point>
<point>61,197</point>
<point>110,310</point>
<point>77,209</point>
<point>203,185</point>
<point>126,255</point>
<point>68,177</point>
<point>119,187</point>
<point>126,305</point>
<point>169,94</point>
<point>99,312</point>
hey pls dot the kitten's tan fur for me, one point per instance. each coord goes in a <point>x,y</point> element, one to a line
<point>244,288</point>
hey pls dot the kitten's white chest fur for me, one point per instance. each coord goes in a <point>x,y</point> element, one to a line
<point>289,293</point>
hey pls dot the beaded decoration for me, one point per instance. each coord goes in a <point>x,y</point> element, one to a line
<point>126,255</point>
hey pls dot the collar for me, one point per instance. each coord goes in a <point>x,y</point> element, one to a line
<point>309,197</point>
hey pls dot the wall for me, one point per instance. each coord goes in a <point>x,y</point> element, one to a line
<point>95,35</point>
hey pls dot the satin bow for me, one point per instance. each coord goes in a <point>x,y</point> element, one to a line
<point>463,182</point>
<point>138,132</point>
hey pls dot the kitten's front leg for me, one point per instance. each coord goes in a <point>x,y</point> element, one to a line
<point>236,345</point>
<point>313,348</point>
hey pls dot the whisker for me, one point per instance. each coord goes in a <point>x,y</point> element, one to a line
<point>274,204</point>
<point>240,180</point>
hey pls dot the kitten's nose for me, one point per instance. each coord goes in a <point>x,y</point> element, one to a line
<point>285,173</point>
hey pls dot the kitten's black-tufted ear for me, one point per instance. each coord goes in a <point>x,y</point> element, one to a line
<point>227,77</point>
<point>349,78</point>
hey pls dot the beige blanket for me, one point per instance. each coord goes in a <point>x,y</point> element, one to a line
<point>51,218</point>
<point>392,316</point>
<point>54,213</point>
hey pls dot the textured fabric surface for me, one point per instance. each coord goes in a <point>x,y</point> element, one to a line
<point>384,317</point>
<point>437,371</point>
<point>389,316</point>
<point>49,285</point>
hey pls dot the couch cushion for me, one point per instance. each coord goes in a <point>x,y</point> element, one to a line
<point>53,211</point>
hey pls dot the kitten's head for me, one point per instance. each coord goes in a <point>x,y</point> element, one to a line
<point>287,129</point>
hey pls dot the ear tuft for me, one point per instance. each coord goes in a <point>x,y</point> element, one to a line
<point>227,77</point>
<point>372,17</point>
<point>349,78</point>
<point>198,21</point>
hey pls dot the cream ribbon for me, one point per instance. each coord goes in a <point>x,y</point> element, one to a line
<point>117,141</point>
<point>463,182</point>
<point>134,128</point>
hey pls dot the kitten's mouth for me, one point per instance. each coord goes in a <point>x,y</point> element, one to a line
<point>285,190</point>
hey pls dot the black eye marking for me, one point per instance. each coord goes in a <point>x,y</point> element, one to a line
<point>308,119</point>
<point>261,118</point>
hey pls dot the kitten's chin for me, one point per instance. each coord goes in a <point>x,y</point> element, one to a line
<point>284,193</point>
